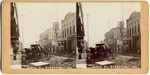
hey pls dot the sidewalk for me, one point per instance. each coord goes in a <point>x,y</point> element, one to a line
<point>16,64</point>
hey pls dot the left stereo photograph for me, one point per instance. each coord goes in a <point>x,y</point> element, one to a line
<point>43,35</point>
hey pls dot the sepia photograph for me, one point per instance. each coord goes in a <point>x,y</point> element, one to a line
<point>43,35</point>
<point>75,35</point>
<point>112,34</point>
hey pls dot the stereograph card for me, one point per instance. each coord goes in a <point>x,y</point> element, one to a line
<point>73,36</point>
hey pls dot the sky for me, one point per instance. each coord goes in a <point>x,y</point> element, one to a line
<point>104,16</point>
<point>35,18</point>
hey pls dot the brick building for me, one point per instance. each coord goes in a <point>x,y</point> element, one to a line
<point>46,38</point>
<point>49,39</point>
<point>69,33</point>
<point>111,37</point>
<point>133,32</point>
<point>116,37</point>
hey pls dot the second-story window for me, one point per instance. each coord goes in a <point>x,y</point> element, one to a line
<point>73,28</point>
<point>135,29</point>
<point>130,32</point>
<point>62,33</point>
<point>67,30</point>
<point>70,30</point>
<point>139,28</point>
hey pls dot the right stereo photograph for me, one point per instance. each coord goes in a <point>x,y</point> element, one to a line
<point>108,35</point>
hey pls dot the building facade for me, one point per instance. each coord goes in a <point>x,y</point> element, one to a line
<point>133,32</point>
<point>122,38</point>
<point>59,42</point>
<point>69,33</point>
<point>111,37</point>
<point>46,38</point>
<point>116,38</point>
<point>49,39</point>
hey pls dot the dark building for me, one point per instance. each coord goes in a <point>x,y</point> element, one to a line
<point>80,30</point>
<point>133,32</point>
<point>14,31</point>
<point>69,33</point>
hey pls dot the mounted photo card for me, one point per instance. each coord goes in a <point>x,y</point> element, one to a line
<point>75,36</point>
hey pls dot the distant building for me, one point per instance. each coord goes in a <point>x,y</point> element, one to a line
<point>133,32</point>
<point>122,38</point>
<point>111,37</point>
<point>49,38</point>
<point>120,29</point>
<point>69,33</point>
<point>55,29</point>
<point>116,37</point>
<point>55,37</point>
<point>46,38</point>
<point>59,41</point>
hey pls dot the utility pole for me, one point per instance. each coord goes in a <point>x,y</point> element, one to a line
<point>88,29</point>
<point>57,11</point>
<point>122,11</point>
<point>80,29</point>
<point>121,31</point>
<point>22,30</point>
<point>122,21</point>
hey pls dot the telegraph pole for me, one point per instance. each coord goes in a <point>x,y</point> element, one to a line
<point>57,11</point>
<point>122,11</point>
<point>88,28</point>
<point>22,30</point>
